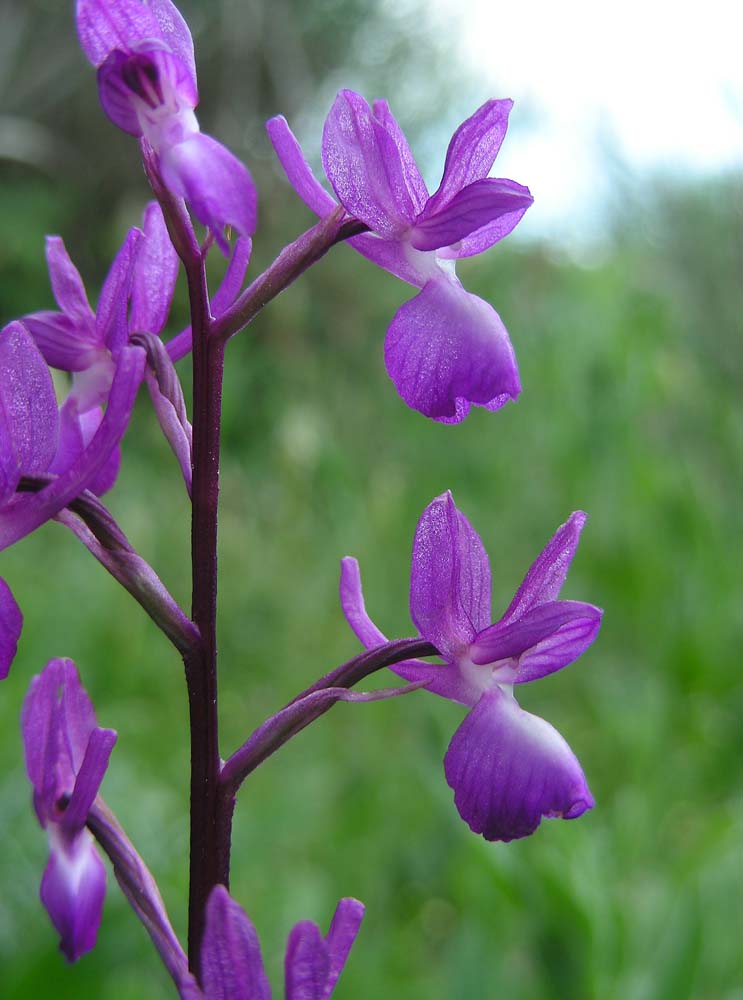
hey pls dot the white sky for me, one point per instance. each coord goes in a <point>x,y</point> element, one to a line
<point>659,83</point>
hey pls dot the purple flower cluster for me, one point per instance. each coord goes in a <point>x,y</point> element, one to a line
<point>445,350</point>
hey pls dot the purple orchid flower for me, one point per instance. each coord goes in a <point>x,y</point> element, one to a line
<point>88,344</point>
<point>144,54</point>
<point>66,757</point>
<point>445,349</point>
<point>231,963</point>
<point>507,768</point>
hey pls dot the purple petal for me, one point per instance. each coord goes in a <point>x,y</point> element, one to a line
<point>67,285</point>
<point>33,510</point>
<point>297,169</point>
<point>234,277</point>
<point>56,698</point>
<point>111,316</point>
<point>103,25</point>
<point>63,343</point>
<point>446,348</point>
<point>344,929</point>
<point>353,606</point>
<point>545,640</point>
<point>364,166</point>
<point>490,204</point>
<point>88,779</point>
<point>214,182</point>
<point>306,964</point>
<point>155,273</point>
<point>231,963</point>
<point>175,33</point>
<point>472,151</point>
<point>73,888</point>
<point>449,578</point>
<point>396,257</point>
<point>547,573</point>
<point>11,623</point>
<point>28,409</point>
<point>411,175</point>
<point>508,769</point>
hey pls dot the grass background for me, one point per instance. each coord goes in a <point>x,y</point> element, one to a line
<point>631,364</point>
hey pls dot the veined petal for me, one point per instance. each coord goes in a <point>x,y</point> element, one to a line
<point>446,349</point>
<point>449,578</point>
<point>472,150</point>
<point>297,169</point>
<point>306,963</point>
<point>175,32</point>
<point>411,175</point>
<point>28,409</point>
<point>73,888</point>
<point>11,623</point>
<point>364,167</point>
<point>231,962</point>
<point>344,929</point>
<point>214,182</point>
<point>111,316</point>
<point>105,25</point>
<point>63,343</point>
<point>545,640</point>
<point>489,204</point>
<point>56,698</point>
<point>67,285</point>
<point>508,769</point>
<point>547,573</point>
<point>155,273</point>
<point>33,510</point>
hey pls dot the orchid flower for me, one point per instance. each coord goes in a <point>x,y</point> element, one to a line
<point>87,344</point>
<point>507,768</point>
<point>445,348</point>
<point>144,54</point>
<point>231,963</point>
<point>66,757</point>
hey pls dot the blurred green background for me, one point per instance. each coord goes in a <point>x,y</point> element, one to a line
<point>631,359</point>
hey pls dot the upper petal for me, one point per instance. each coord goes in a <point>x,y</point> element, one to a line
<point>547,573</point>
<point>446,349</point>
<point>175,32</point>
<point>449,578</point>
<point>365,168</point>
<point>306,963</point>
<point>472,150</point>
<point>489,206</point>
<point>11,623</point>
<point>155,273</point>
<point>111,316</point>
<point>105,25</point>
<point>545,640</point>
<point>508,769</point>
<point>411,175</point>
<point>215,183</point>
<point>344,928</point>
<point>73,888</point>
<point>63,343</point>
<point>67,285</point>
<point>297,169</point>
<point>231,962</point>
<point>88,779</point>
